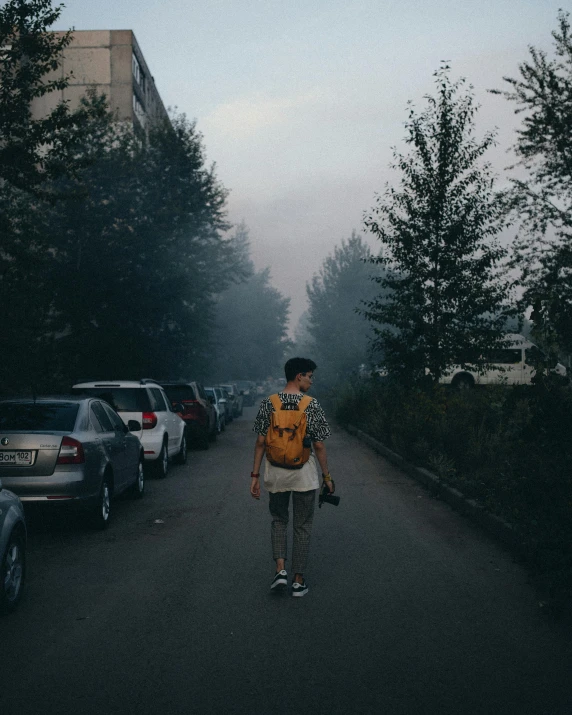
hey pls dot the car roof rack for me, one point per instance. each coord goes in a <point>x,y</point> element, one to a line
<point>146,380</point>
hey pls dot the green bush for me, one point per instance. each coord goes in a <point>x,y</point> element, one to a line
<point>510,448</point>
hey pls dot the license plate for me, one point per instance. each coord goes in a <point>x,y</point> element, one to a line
<point>18,458</point>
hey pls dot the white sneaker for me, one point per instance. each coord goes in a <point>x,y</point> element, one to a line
<point>299,589</point>
<point>280,581</point>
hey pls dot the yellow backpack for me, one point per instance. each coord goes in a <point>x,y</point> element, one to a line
<point>285,437</point>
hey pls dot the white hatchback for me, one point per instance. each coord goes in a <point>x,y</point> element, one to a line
<point>163,431</point>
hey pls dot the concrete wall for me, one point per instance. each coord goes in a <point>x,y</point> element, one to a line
<point>102,59</point>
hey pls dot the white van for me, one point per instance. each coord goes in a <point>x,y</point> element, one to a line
<point>510,364</point>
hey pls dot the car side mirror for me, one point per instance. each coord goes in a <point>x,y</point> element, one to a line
<point>178,408</point>
<point>134,426</point>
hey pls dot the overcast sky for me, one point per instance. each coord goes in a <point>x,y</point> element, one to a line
<point>301,101</point>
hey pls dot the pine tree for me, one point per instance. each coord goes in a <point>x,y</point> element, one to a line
<point>444,300</point>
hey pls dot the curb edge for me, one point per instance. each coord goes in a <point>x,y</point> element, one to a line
<point>494,525</point>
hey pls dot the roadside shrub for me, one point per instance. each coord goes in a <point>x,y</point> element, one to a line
<point>510,448</point>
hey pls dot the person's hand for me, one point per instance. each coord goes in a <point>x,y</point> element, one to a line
<point>255,487</point>
<point>330,484</point>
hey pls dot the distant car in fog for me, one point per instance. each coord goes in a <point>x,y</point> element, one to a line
<point>228,404</point>
<point>236,398</point>
<point>247,390</point>
<point>217,398</point>
<point>199,414</point>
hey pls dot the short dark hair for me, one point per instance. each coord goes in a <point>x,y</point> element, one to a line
<point>294,366</point>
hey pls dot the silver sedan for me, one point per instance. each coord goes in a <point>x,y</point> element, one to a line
<point>69,450</point>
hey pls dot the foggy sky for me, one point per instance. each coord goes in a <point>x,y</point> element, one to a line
<point>300,102</point>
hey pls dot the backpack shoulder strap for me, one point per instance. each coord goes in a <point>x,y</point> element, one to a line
<point>276,402</point>
<point>304,403</point>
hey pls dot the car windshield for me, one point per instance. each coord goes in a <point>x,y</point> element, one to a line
<point>122,399</point>
<point>178,393</point>
<point>38,417</point>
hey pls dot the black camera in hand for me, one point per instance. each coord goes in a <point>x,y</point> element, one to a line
<point>326,497</point>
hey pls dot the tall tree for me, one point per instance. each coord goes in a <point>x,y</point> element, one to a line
<point>338,332</point>
<point>303,342</point>
<point>251,335</point>
<point>145,254</point>
<point>542,201</point>
<point>37,151</point>
<point>33,150</point>
<point>445,299</point>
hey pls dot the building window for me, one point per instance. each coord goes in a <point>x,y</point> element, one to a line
<point>138,73</point>
<point>139,111</point>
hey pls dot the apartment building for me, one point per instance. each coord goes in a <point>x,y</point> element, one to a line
<point>111,62</point>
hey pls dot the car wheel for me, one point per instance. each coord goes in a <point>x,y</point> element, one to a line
<point>162,462</point>
<point>13,572</point>
<point>222,423</point>
<point>102,510</point>
<point>138,488</point>
<point>181,457</point>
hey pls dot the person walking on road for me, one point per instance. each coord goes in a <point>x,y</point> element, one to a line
<point>287,424</point>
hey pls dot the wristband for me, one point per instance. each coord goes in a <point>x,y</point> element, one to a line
<point>254,476</point>
<point>326,477</point>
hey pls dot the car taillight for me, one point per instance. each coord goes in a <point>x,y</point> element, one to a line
<point>149,420</point>
<point>71,452</point>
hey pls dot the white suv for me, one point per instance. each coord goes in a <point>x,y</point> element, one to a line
<point>513,363</point>
<point>163,431</point>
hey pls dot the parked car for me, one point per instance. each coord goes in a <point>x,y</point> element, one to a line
<point>69,450</point>
<point>511,364</point>
<point>228,408</point>
<point>219,401</point>
<point>12,550</point>
<point>248,391</point>
<point>161,429</point>
<point>198,412</point>
<point>236,398</point>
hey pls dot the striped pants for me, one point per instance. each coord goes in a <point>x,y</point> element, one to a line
<point>303,504</point>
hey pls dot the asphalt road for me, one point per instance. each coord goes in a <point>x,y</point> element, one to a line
<point>410,610</point>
